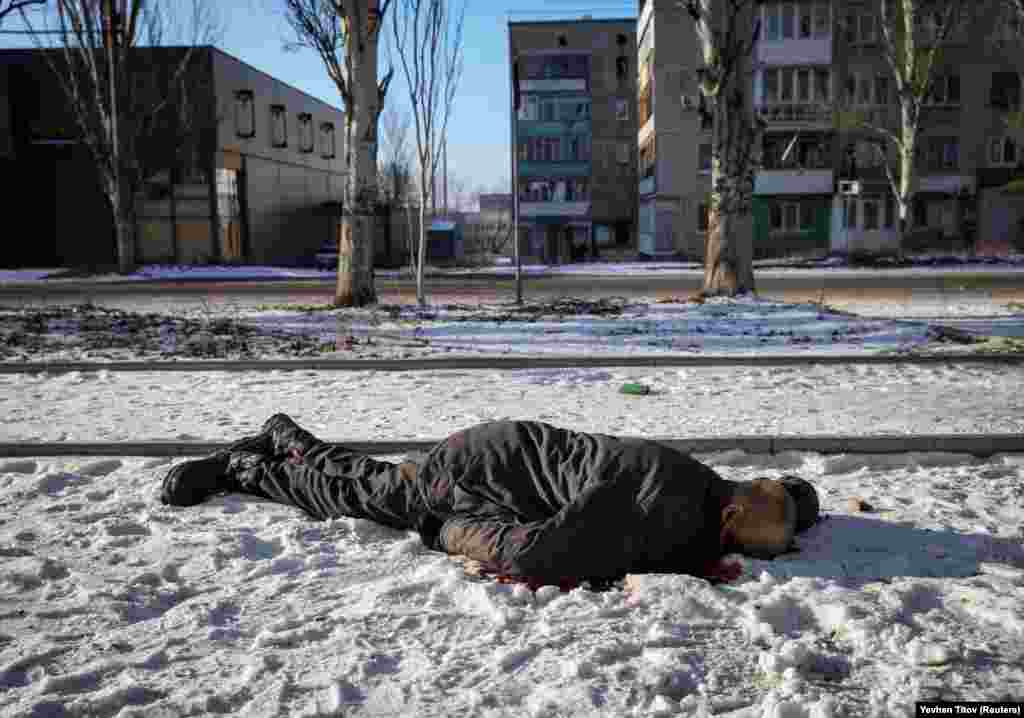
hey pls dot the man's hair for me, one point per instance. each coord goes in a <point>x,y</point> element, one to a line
<point>767,519</point>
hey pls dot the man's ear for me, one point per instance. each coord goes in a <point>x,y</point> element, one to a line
<point>730,515</point>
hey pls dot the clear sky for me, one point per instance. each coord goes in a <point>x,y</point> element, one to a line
<point>478,146</point>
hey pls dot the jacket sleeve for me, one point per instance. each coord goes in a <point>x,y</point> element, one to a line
<point>599,535</point>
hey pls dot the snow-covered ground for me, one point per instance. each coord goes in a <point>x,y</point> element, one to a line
<point>602,327</point>
<point>114,605</point>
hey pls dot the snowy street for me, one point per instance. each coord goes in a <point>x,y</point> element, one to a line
<point>112,604</point>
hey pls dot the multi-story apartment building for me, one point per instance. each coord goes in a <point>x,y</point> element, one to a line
<point>574,136</point>
<point>256,187</point>
<point>831,192</point>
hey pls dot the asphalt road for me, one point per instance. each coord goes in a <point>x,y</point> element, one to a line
<point>828,286</point>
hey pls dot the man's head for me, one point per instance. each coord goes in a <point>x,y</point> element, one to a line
<point>761,516</point>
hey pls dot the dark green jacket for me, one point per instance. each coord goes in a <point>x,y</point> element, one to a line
<point>530,499</point>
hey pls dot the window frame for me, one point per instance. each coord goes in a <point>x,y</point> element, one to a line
<point>307,137</point>
<point>245,109</point>
<point>328,140</point>
<point>621,109</point>
<point>278,126</point>
<point>701,168</point>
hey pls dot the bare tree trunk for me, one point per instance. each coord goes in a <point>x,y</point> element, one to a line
<point>355,286</point>
<point>124,226</point>
<point>421,297</point>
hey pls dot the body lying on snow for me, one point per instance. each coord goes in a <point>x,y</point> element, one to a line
<point>521,499</point>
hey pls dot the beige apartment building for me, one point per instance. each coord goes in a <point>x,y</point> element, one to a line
<point>574,137</point>
<point>831,193</point>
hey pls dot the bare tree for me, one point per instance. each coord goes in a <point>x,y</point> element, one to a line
<point>10,6</point>
<point>428,41</point>
<point>346,34</point>
<point>726,33</point>
<point>396,158</point>
<point>123,96</point>
<point>914,32</point>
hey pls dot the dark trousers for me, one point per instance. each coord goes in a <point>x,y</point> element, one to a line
<point>331,481</point>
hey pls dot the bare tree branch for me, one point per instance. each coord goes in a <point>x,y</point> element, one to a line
<point>428,38</point>
<point>10,6</point>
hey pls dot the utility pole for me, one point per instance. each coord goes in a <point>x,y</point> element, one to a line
<point>515,169</point>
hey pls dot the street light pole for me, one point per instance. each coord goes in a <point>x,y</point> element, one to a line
<point>515,171</point>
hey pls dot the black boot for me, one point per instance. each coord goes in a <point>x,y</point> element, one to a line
<point>192,482</point>
<point>286,437</point>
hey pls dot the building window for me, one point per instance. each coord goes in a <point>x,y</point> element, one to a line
<point>850,213</point>
<point>945,90</point>
<point>821,85</point>
<point>881,90</point>
<point>707,120</point>
<point>621,69</point>
<point>805,26</point>
<point>327,149</point>
<point>562,41</point>
<point>703,214</point>
<point>245,114</point>
<point>547,111</point>
<point>806,215</point>
<point>704,159</point>
<point>1005,93</point>
<point>920,213</point>
<point>822,18</point>
<point>555,67</point>
<point>870,214</point>
<point>867,155</point>
<point>772,27</point>
<point>890,211</point>
<point>791,216</point>
<point>622,109</point>
<point>278,126</point>
<point>861,27</point>
<point>803,85</point>
<point>786,84</point>
<point>305,132</point>
<point>771,86</point>
<point>622,151</point>
<point>787,21</point>
<point>1002,151</point>
<point>621,39</point>
<point>941,153</point>
<point>648,158</point>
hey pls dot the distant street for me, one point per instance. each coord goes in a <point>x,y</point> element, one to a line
<point>1000,286</point>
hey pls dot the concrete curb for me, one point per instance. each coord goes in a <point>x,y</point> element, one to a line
<point>981,445</point>
<point>505,362</point>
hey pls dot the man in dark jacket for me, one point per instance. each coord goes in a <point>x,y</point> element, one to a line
<point>522,498</point>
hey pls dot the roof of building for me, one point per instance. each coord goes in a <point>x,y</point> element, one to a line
<point>574,20</point>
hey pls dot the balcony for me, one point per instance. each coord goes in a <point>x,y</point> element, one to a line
<point>807,113</point>
<point>793,182</point>
<point>568,168</point>
<point>568,210</point>
<point>805,51</point>
<point>554,85</point>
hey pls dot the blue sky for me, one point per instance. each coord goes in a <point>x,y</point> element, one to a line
<point>478,145</point>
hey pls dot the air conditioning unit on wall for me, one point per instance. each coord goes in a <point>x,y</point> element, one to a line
<point>849,187</point>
